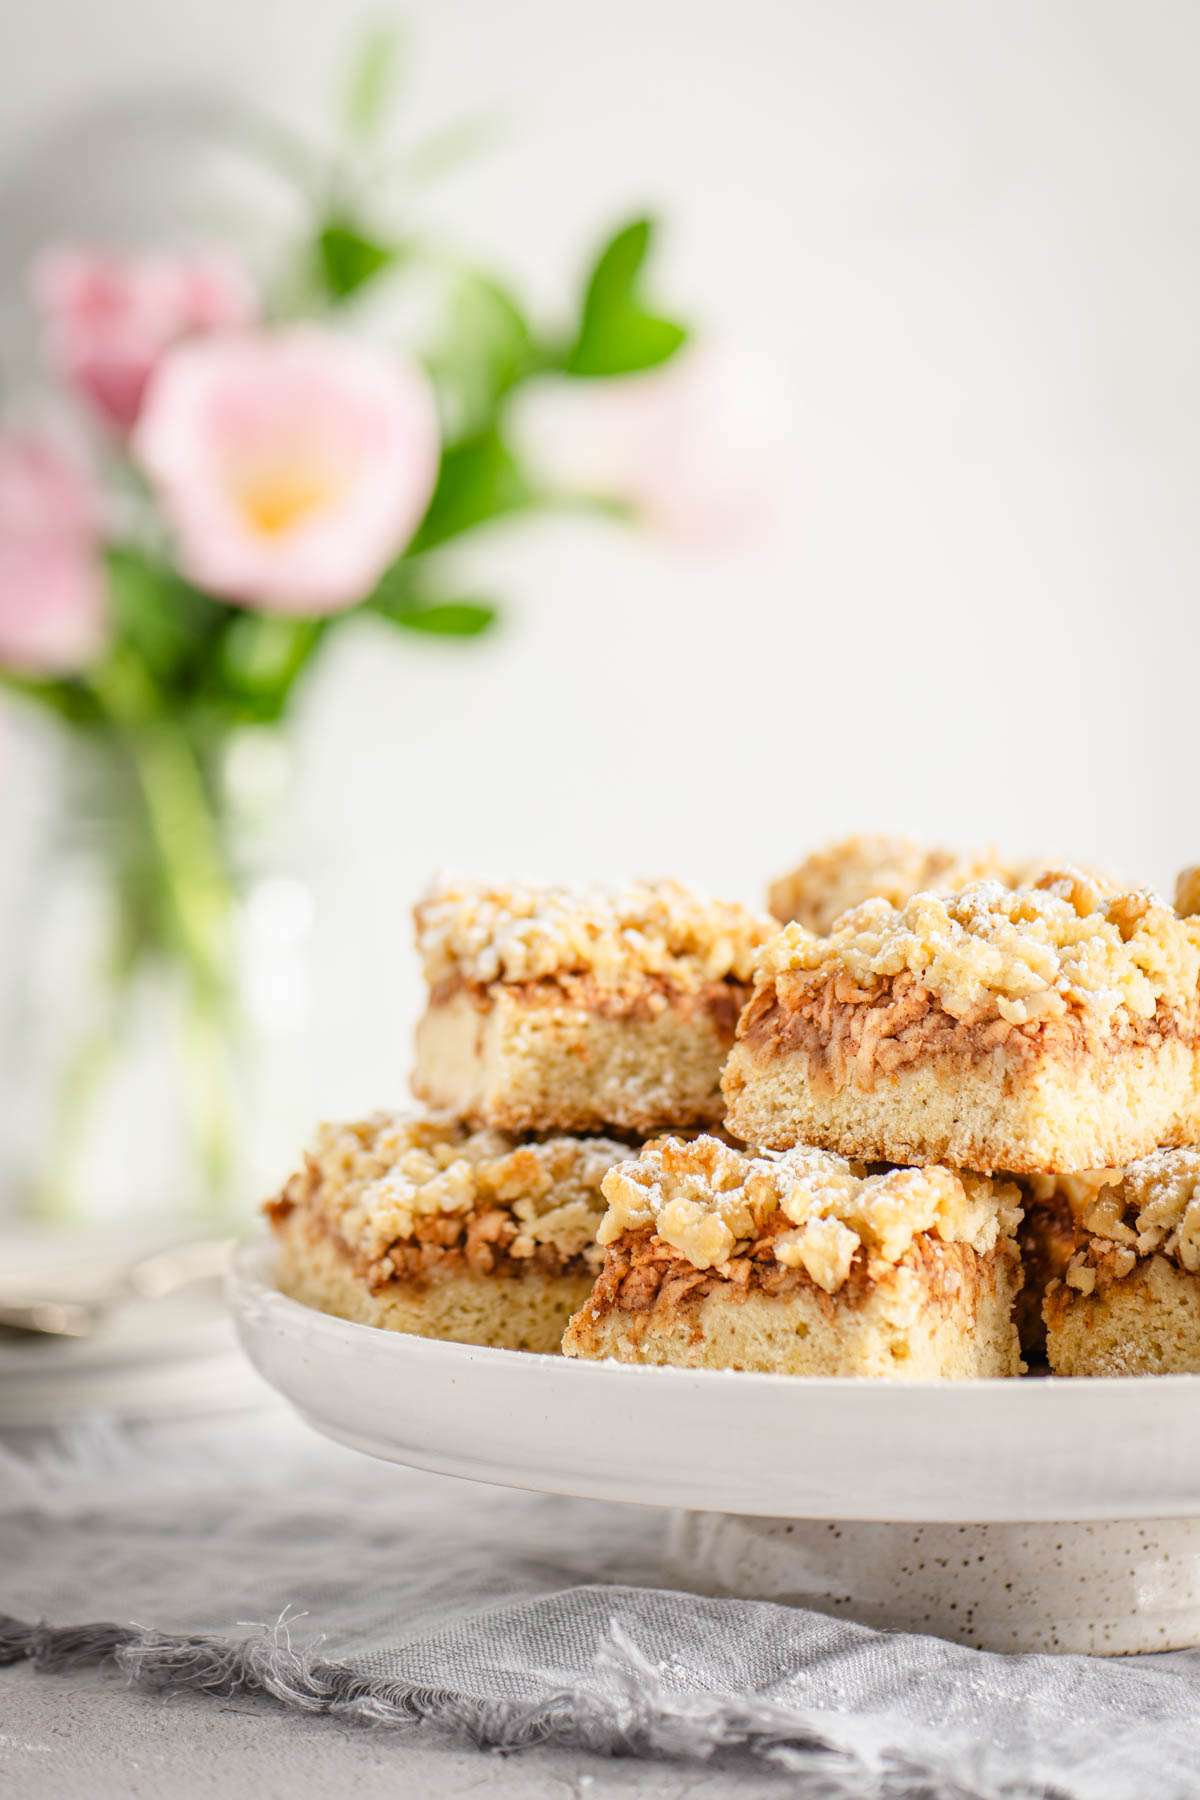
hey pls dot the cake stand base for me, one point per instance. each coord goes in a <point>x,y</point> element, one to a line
<point>1103,1589</point>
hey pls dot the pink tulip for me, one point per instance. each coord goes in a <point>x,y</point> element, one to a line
<point>293,466</point>
<point>692,447</point>
<point>52,595</point>
<point>109,319</point>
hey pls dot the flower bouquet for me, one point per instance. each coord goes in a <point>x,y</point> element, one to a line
<point>250,465</point>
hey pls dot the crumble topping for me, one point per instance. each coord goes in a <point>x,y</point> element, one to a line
<point>1187,893</point>
<point>1021,955</point>
<point>482,933</point>
<point>708,1201</point>
<point>388,1179</point>
<point>872,866</point>
<point>1151,1209</point>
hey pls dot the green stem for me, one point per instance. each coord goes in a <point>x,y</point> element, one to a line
<point>198,914</point>
<point>189,851</point>
<point>201,904</point>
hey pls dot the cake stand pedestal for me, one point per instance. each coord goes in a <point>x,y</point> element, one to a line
<point>1101,1589</point>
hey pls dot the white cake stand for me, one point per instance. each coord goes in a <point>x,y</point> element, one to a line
<point>1010,1515</point>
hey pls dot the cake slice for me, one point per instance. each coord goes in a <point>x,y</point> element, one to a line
<point>420,1225</point>
<point>1128,1302</point>
<point>1187,893</point>
<point>876,867</point>
<point>1033,1030</point>
<point>580,1009</point>
<point>802,1263</point>
<point>873,866</point>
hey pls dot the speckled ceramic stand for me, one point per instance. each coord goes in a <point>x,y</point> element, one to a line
<point>1105,1589</point>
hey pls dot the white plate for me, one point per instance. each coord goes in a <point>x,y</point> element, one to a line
<point>771,1445</point>
<point>147,1359</point>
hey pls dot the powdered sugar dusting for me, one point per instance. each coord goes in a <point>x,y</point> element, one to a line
<point>485,932</point>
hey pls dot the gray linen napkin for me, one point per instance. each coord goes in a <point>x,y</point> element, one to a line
<point>248,1555</point>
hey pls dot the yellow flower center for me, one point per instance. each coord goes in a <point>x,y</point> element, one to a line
<point>275,500</point>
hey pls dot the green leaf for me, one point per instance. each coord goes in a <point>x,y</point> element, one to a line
<point>443,618</point>
<point>261,657</point>
<point>400,601</point>
<point>156,615</point>
<point>72,701</point>
<point>480,479</point>
<point>618,335</point>
<point>444,150</point>
<point>373,80</point>
<point>348,259</point>
<point>484,348</point>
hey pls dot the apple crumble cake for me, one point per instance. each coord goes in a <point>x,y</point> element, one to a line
<point>1187,893</point>
<point>580,1009</point>
<point>802,1263</point>
<point>872,866</point>
<point>1033,1030</point>
<point>420,1225</point>
<point>1128,1302</point>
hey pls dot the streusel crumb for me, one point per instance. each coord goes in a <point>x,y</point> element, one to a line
<point>1152,1210</point>
<point>705,1199</point>
<point>382,1177</point>
<point>483,933</point>
<point>1021,955</point>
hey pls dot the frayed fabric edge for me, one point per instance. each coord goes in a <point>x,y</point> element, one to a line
<point>635,1715</point>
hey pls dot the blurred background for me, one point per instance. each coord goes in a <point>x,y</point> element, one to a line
<point>918,551</point>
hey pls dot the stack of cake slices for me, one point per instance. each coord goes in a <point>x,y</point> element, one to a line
<point>939,1117</point>
<point>563,1028</point>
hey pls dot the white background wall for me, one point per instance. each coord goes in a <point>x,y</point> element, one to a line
<point>967,236</point>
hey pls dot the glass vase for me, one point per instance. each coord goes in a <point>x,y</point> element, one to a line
<point>159,947</point>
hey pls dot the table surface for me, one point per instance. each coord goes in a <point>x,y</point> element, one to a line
<point>92,1736</point>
